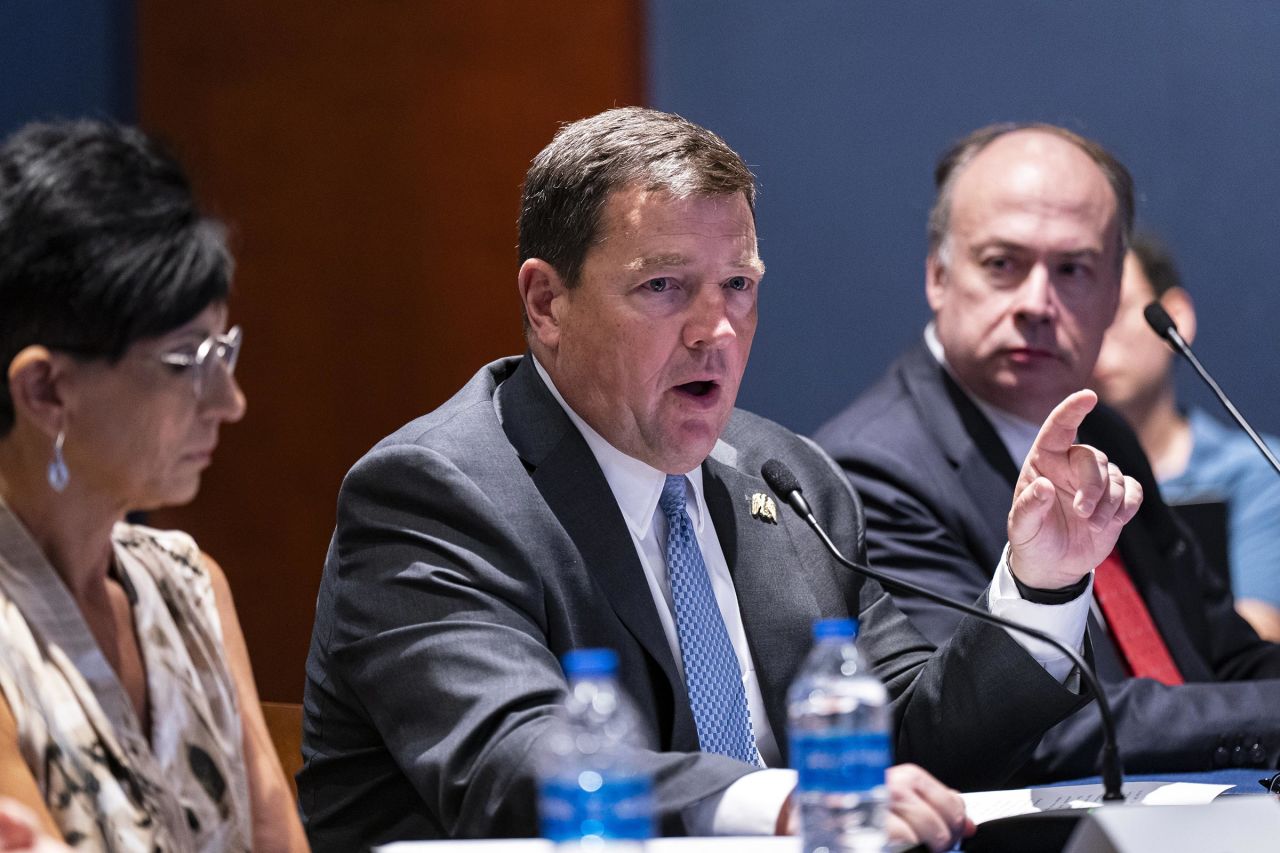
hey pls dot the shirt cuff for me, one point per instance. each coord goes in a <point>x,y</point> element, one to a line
<point>750,806</point>
<point>1064,622</point>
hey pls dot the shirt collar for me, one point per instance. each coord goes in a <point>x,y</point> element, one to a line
<point>1016,434</point>
<point>636,485</point>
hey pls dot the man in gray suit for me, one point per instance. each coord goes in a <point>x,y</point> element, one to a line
<point>523,519</point>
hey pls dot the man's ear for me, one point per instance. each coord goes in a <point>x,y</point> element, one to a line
<point>935,272</point>
<point>1178,303</point>
<point>34,387</point>
<point>544,295</point>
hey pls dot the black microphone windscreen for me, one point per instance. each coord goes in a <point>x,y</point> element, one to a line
<point>1159,320</point>
<point>779,477</point>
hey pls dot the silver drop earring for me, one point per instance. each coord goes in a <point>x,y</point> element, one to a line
<point>58,473</point>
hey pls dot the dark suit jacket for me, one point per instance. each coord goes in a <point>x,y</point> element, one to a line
<point>937,483</point>
<point>480,542</point>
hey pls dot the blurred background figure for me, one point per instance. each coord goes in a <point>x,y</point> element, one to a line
<point>1201,463</point>
<point>128,714</point>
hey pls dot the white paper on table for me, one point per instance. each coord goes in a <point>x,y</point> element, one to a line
<point>762,844</point>
<point>989,805</point>
<point>726,844</point>
<point>493,845</point>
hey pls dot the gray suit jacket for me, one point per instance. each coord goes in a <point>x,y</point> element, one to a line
<point>480,542</point>
<point>937,482</point>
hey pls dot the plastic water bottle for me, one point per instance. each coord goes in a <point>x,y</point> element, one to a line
<point>839,736</point>
<point>591,794</point>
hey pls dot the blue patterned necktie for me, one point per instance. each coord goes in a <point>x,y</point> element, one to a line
<point>711,672</point>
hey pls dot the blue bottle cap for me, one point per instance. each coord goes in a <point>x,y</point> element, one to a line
<point>584,663</point>
<point>835,629</point>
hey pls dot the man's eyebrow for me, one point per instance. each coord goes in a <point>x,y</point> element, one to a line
<point>1003,245</point>
<point>675,260</point>
<point>658,262</point>
<point>1010,246</point>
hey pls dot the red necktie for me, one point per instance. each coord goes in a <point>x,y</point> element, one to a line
<point>1130,623</point>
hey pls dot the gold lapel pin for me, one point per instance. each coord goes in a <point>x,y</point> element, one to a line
<point>763,508</point>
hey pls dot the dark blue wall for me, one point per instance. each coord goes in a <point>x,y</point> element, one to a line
<point>66,59</point>
<point>843,107</point>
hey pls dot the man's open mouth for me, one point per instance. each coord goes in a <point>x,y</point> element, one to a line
<point>697,389</point>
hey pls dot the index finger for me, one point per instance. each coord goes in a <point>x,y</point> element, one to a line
<point>1059,430</point>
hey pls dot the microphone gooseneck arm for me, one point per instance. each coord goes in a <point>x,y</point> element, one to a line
<point>1162,324</point>
<point>787,487</point>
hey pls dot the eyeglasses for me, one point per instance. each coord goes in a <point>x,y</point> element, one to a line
<point>214,351</point>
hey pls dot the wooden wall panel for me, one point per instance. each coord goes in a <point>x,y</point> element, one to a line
<point>368,157</point>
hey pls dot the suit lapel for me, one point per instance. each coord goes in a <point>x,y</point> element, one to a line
<point>567,475</point>
<point>1154,564</point>
<point>1152,573</point>
<point>988,475</point>
<point>985,469</point>
<point>971,444</point>
<point>759,555</point>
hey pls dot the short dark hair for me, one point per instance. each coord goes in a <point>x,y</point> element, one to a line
<point>960,154</point>
<point>1157,263</point>
<point>570,180</point>
<point>101,244</point>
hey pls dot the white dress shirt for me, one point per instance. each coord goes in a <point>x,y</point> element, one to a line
<point>749,806</point>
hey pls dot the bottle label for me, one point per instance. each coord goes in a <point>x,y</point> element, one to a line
<point>840,761</point>
<point>591,806</point>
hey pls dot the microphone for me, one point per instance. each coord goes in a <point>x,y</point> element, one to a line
<point>1162,324</point>
<point>785,485</point>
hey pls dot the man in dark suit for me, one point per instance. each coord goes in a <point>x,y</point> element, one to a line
<point>1027,239</point>
<point>529,515</point>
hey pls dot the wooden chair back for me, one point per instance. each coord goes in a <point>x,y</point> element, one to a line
<point>284,723</point>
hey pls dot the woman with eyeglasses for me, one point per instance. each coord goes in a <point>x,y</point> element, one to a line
<point>128,714</point>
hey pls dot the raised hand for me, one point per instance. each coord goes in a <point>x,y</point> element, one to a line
<point>1070,502</point>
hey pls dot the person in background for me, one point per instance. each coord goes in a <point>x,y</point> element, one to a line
<point>128,714</point>
<point>1027,239</point>
<point>1195,457</point>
